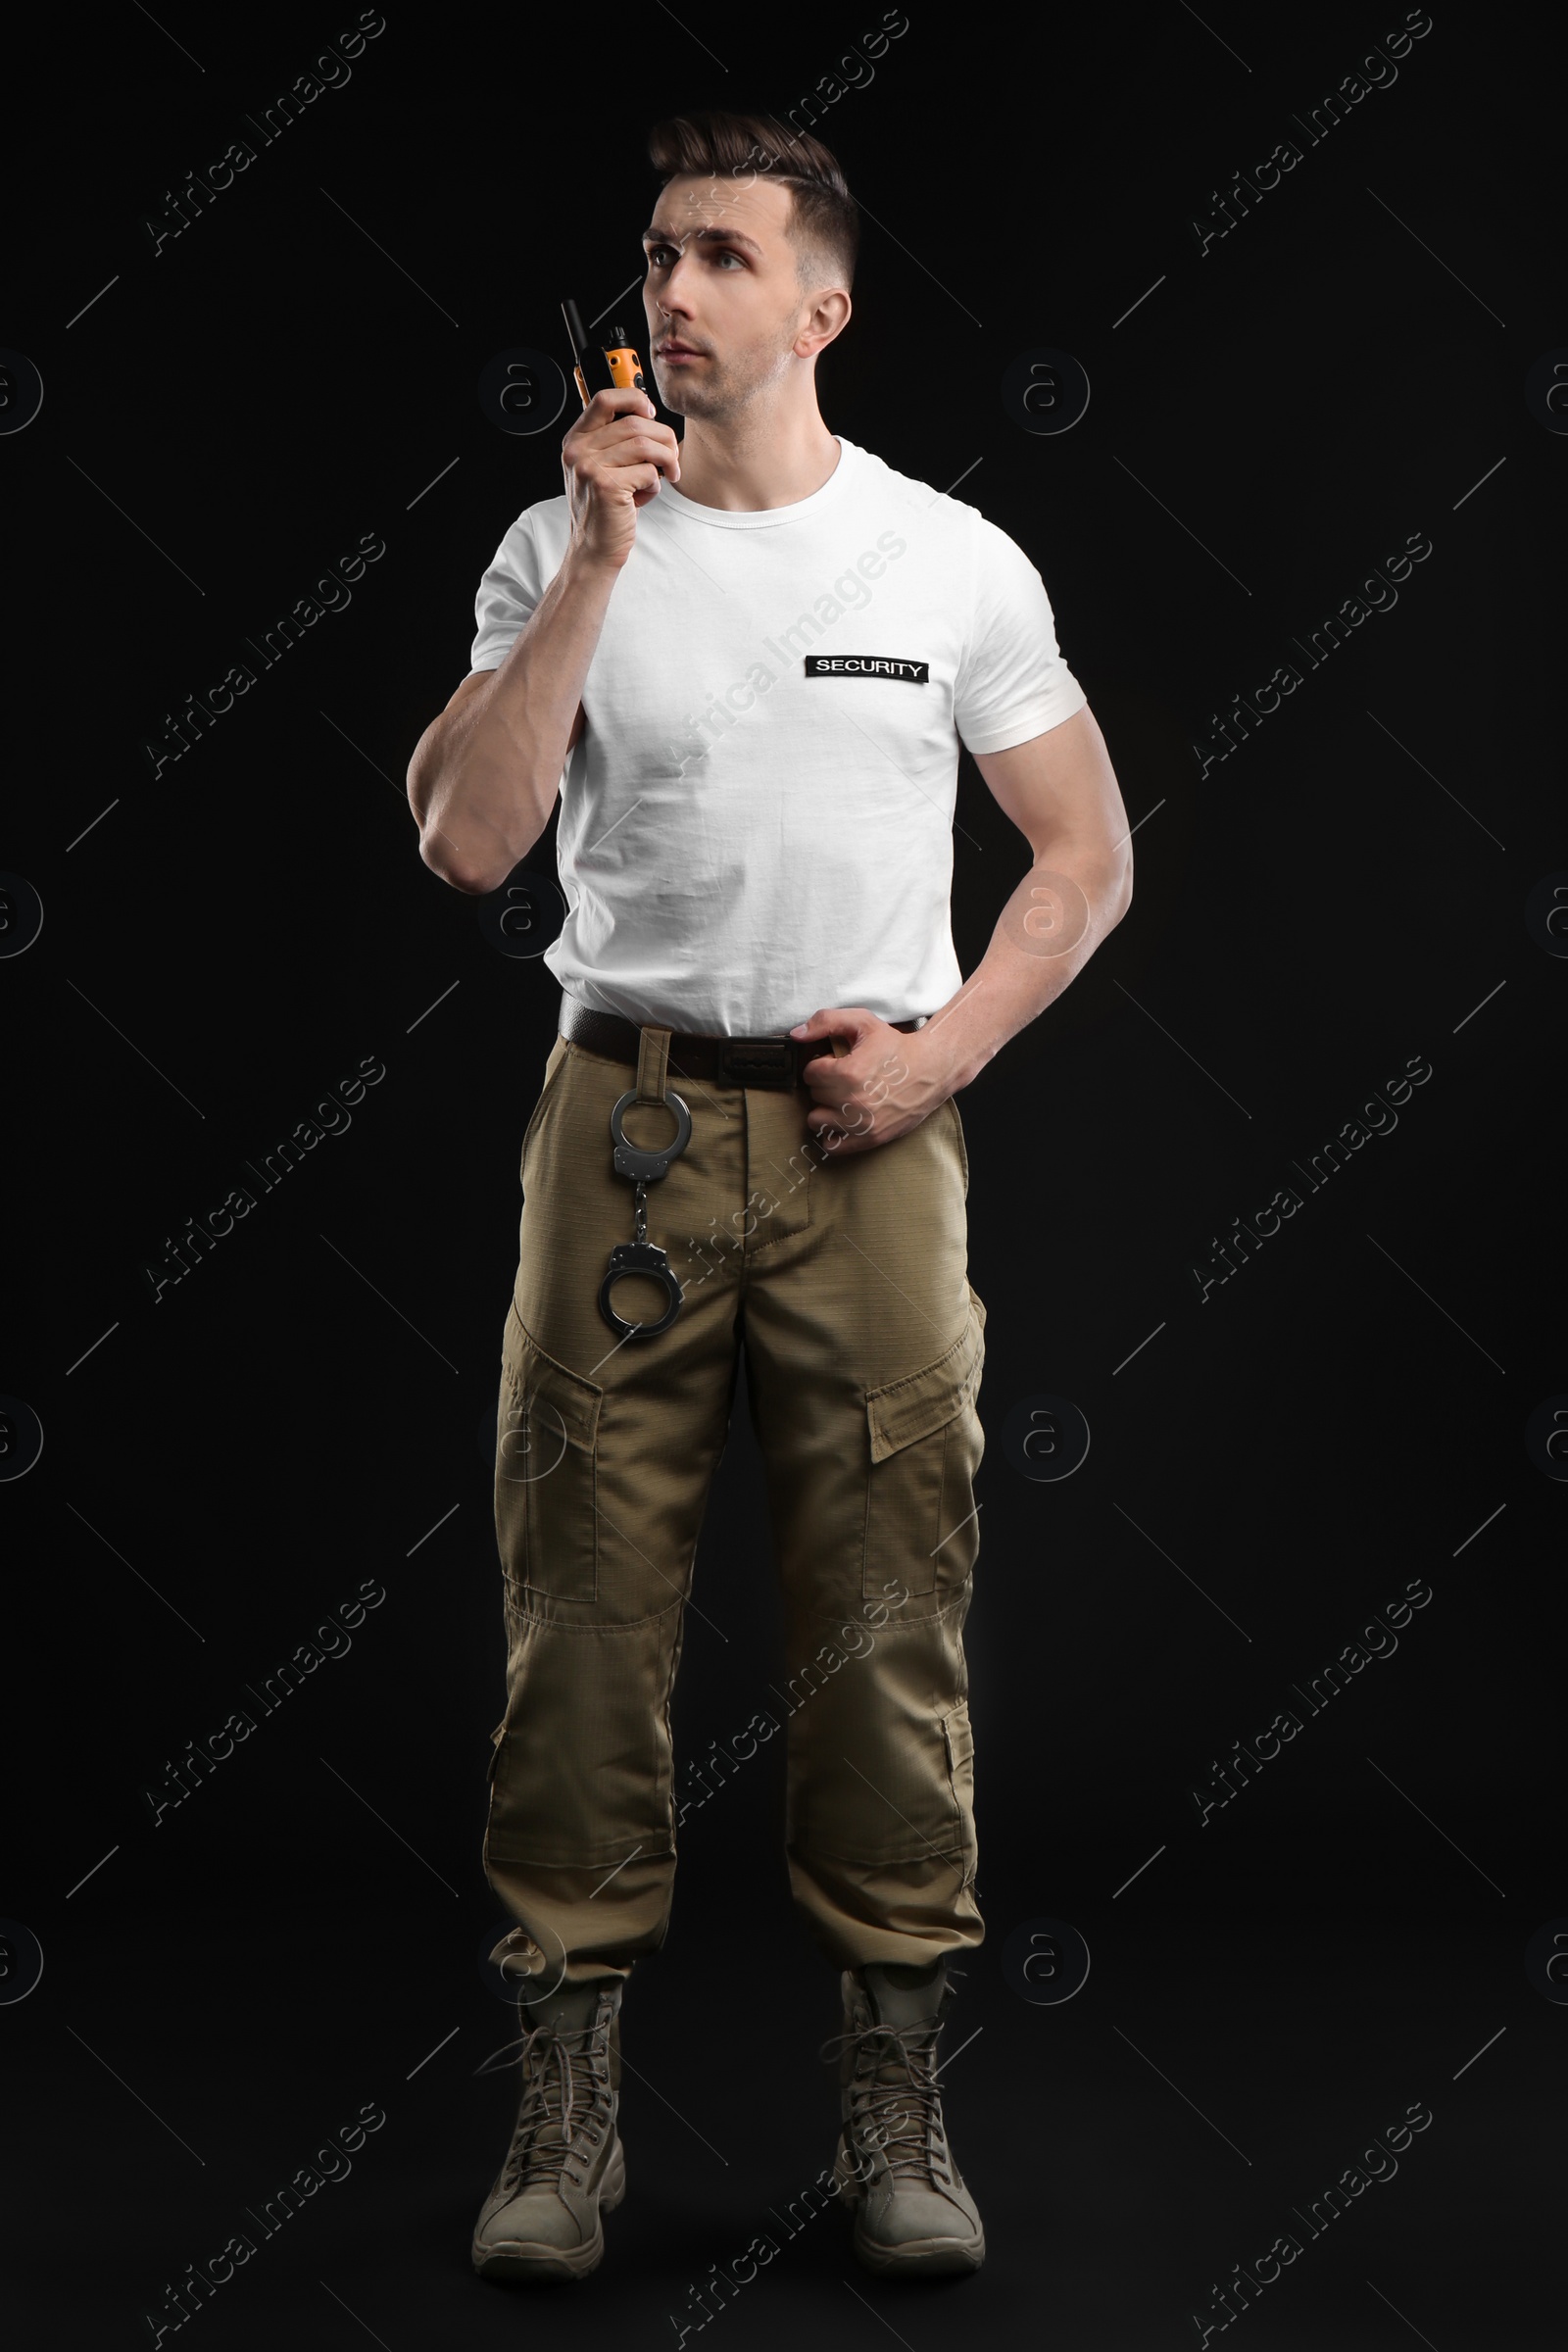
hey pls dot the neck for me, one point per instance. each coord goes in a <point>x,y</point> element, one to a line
<point>770,455</point>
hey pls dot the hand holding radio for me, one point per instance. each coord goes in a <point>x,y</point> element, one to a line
<point>615,458</point>
<point>616,455</point>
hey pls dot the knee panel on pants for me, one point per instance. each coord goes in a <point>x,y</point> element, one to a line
<point>582,1769</point>
<point>882,1771</point>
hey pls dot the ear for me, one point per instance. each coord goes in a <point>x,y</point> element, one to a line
<point>828,316</point>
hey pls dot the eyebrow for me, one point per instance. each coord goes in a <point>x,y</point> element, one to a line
<point>727,236</point>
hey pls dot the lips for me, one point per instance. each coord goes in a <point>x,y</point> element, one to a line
<point>679,351</point>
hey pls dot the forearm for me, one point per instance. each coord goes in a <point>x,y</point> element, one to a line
<point>1074,894</point>
<point>484,775</point>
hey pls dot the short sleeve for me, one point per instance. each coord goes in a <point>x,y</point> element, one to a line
<point>508,594</point>
<point>1012,682</point>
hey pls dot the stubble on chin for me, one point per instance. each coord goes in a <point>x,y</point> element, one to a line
<point>724,391</point>
<point>688,399</point>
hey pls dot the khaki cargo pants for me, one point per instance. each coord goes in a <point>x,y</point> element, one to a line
<point>845,1281</point>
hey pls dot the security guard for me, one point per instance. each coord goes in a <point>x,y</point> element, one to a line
<point>747,660</point>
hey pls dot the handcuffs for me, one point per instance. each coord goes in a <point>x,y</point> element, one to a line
<point>643,1256</point>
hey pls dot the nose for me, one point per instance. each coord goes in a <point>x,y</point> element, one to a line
<point>672,299</point>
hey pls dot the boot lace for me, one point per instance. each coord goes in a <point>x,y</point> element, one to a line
<point>894,2098</point>
<point>565,2074</point>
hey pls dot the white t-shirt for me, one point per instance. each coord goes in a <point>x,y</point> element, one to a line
<point>757,821</point>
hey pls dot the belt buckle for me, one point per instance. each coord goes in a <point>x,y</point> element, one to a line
<point>756,1061</point>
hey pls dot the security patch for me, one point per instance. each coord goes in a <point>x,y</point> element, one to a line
<point>866,665</point>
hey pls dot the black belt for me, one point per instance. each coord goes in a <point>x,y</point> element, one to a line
<point>726,1060</point>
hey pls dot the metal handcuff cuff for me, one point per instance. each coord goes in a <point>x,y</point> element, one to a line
<point>643,1256</point>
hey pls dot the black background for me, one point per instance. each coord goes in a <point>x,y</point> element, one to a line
<point>1347,1413</point>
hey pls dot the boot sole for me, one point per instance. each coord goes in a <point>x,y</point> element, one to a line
<point>919,2256</point>
<point>515,2262</point>
<point>922,2257</point>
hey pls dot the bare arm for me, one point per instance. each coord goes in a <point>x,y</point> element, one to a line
<point>1061,791</point>
<point>485,774</point>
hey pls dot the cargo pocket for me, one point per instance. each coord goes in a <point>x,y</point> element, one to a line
<point>546,1489</point>
<point>922,1529</point>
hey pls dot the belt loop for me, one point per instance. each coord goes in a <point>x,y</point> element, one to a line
<point>840,1047</point>
<point>652,1062</point>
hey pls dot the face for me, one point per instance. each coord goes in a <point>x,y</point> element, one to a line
<point>727,314</point>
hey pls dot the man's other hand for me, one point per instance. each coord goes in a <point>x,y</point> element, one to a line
<point>888,1081</point>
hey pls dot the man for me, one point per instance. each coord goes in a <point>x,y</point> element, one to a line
<point>746,659</point>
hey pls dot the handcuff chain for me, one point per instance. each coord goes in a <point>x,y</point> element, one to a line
<point>640,1255</point>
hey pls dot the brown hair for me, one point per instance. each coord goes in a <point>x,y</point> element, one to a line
<point>711,144</point>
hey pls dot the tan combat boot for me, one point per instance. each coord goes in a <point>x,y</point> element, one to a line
<point>912,2213</point>
<point>564,2165</point>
